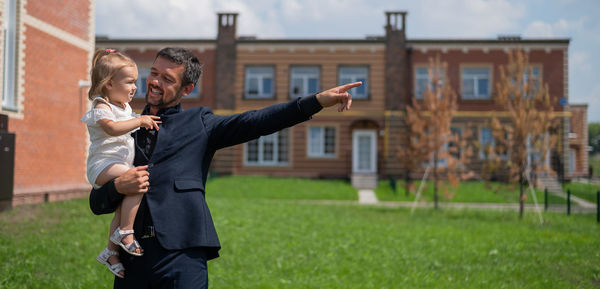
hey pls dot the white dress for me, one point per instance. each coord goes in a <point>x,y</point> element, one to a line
<point>104,148</point>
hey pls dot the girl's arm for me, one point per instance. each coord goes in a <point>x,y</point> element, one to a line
<point>116,128</point>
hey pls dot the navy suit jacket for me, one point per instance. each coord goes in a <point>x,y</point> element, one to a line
<point>186,143</point>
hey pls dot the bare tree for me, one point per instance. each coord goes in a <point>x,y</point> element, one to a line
<point>430,120</point>
<point>523,135</point>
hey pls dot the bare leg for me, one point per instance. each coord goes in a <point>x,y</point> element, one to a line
<point>125,214</point>
<point>130,207</point>
<point>111,246</point>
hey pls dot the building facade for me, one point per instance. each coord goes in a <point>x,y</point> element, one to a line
<point>46,51</point>
<point>245,73</point>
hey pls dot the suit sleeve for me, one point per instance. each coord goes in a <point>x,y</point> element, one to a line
<point>224,131</point>
<point>106,199</point>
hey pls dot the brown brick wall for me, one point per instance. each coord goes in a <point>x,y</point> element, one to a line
<point>50,139</point>
<point>551,63</point>
<point>70,16</point>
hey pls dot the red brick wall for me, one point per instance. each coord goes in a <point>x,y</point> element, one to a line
<point>70,16</point>
<point>50,139</point>
<point>552,72</point>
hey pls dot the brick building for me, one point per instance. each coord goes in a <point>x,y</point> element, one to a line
<point>243,73</point>
<point>46,51</point>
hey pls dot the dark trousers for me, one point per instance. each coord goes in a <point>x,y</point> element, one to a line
<point>161,268</point>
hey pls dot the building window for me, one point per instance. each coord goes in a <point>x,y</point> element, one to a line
<point>143,73</point>
<point>304,81</point>
<point>269,150</point>
<point>535,73</point>
<point>422,81</point>
<point>9,99</point>
<point>321,141</point>
<point>349,74</point>
<point>485,139</point>
<point>259,82</point>
<point>476,83</point>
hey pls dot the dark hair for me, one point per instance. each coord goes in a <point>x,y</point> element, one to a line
<point>193,67</point>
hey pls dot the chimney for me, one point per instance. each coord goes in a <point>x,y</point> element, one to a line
<point>226,60</point>
<point>396,65</point>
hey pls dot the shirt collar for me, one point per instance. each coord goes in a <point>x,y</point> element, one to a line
<point>163,111</point>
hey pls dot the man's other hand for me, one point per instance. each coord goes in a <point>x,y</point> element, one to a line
<point>134,181</point>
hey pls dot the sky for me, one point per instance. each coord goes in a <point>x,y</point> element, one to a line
<point>578,20</point>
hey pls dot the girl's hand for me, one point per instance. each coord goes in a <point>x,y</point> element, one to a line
<point>149,121</point>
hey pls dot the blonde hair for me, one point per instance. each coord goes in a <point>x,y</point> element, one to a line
<point>105,64</point>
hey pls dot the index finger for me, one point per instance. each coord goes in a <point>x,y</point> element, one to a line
<point>141,168</point>
<point>349,86</point>
<point>155,117</point>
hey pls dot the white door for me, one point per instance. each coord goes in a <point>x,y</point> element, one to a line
<point>364,151</point>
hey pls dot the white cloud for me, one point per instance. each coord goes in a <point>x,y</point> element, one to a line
<point>560,28</point>
<point>467,18</point>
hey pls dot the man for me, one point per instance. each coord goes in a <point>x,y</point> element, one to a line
<point>173,223</point>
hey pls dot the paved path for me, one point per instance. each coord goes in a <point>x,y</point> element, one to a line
<point>367,197</point>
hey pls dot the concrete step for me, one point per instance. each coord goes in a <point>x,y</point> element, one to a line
<point>364,181</point>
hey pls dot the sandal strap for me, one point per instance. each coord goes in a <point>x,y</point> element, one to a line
<point>125,232</point>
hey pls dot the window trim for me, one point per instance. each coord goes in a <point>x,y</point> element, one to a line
<point>319,78</point>
<point>260,162</point>
<point>10,87</point>
<point>274,80</point>
<point>490,66</point>
<point>322,155</point>
<point>368,80</point>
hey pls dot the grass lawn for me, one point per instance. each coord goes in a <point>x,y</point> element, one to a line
<point>467,192</point>
<point>595,163</point>
<point>584,191</point>
<point>270,243</point>
<point>280,188</point>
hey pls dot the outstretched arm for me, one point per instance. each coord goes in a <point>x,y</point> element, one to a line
<point>231,130</point>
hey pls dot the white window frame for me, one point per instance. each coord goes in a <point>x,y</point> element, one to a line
<point>304,74</point>
<point>320,142</point>
<point>420,76</point>
<point>261,143</point>
<point>260,77</point>
<point>475,79</point>
<point>353,77</point>
<point>9,93</point>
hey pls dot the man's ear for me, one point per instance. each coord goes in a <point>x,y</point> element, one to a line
<point>188,89</point>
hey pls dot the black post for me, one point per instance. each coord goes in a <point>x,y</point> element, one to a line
<point>568,202</point>
<point>598,206</point>
<point>546,199</point>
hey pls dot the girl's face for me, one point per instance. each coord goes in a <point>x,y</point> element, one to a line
<point>121,88</point>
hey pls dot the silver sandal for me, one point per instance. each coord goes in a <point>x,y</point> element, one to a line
<point>113,268</point>
<point>117,239</point>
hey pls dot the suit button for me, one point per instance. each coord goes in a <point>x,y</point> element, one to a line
<point>150,165</point>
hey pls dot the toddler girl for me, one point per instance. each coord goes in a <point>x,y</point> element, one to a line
<point>110,123</point>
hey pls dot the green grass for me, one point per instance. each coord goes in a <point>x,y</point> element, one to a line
<point>595,163</point>
<point>270,243</point>
<point>281,188</point>
<point>467,192</point>
<point>584,191</point>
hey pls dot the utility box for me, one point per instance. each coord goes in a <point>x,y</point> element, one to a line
<point>7,164</point>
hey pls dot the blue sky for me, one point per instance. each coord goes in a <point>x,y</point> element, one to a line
<point>578,20</point>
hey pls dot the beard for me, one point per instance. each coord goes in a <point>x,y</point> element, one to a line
<point>160,102</point>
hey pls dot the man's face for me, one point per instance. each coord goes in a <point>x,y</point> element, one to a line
<point>164,84</point>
